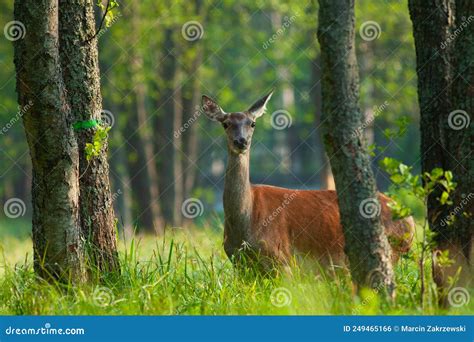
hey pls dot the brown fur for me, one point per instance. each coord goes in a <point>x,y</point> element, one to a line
<point>307,221</point>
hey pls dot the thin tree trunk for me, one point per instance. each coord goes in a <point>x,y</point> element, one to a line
<point>80,65</point>
<point>151,213</point>
<point>193,138</point>
<point>326,178</point>
<point>121,180</point>
<point>164,129</point>
<point>178,186</point>
<point>57,243</point>
<point>366,245</point>
<point>445,74</point>
<point>285,138</point>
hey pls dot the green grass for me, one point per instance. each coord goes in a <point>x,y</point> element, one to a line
<point>187,272</point>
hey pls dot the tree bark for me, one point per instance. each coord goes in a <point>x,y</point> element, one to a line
<point>460,142</point>
<point>80,65</point>
<point>366,245</point>
<point>445,74</point>
<point>57,243</point>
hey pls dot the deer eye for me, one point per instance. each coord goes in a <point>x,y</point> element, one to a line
<point>252,124</point>
<point>225,125</point>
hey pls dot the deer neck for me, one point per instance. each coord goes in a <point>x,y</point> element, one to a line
<point>237,197</point>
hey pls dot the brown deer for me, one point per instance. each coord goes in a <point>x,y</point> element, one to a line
<point>275,222</point>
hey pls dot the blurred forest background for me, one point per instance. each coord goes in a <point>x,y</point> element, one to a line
<point>158,57</point>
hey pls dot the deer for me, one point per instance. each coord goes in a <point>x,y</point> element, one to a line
<point>276,223</point>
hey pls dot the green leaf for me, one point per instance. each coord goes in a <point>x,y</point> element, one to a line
<point>436,173</point>
<point>444,197</point>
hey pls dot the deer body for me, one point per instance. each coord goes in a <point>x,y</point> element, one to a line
<point>274,222</point>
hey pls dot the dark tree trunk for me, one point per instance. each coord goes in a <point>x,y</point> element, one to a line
<point>121,184</point>
<point>460,142</point>
<point>192,104</point>
<point>80,66</point>
<point>151,211</point>
<point>164,129</point>
<point>366,245</point>
<point>445,75</point>
<point>54,153</point>
<point>178,183</point>
<point>192,141</point>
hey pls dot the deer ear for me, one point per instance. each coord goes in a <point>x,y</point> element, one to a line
<point>259,107</point>
<point>212,110</point>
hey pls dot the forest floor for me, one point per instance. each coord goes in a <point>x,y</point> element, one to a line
<point>187,272</point>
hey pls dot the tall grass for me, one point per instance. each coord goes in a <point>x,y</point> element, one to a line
<point>187,272</point>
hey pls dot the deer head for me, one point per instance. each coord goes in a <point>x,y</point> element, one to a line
<point>238,126</point>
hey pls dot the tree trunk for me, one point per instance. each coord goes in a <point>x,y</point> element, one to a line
<point>366,245</point>
<point>164,129</point>
<point>190,165</point>
<point>151,213</point>
<point>326,178</point>
<point>178,184</point>
<point>121,182</point>
<point>192,109</point>
<point>445,73</point>
<point>80,65</point>
<point>460,143</point>
<point>57,243</point>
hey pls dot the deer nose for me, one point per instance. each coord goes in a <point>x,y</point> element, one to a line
<point>240,143</point>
